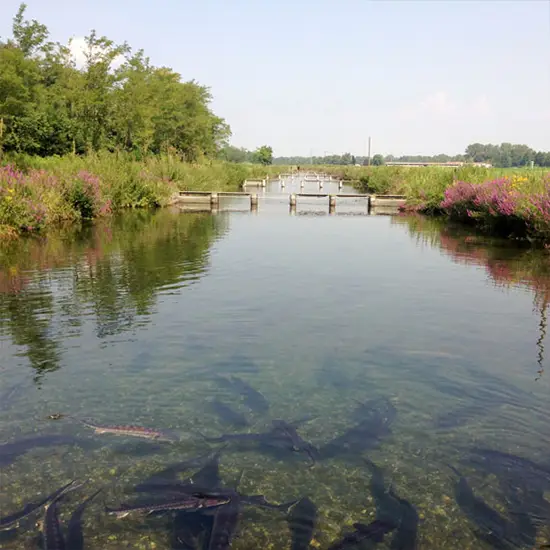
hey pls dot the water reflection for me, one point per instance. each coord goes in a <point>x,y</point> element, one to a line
<point>507,264</point>
<point>335,363</point>
<point>107,274</point>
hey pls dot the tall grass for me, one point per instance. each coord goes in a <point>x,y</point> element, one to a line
<point>417,182</point>
<point>511,202</point>
<point>36,192</point>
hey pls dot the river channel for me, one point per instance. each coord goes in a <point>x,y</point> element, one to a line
<point>408,355</point>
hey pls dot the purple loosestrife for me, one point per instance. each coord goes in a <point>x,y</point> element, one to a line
<point>502,201</point>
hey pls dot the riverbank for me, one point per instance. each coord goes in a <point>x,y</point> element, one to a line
<point>507,202</point>
<point>515,206</point>
<point>38,192</point>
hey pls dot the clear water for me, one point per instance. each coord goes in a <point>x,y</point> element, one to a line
<point>133,320</point>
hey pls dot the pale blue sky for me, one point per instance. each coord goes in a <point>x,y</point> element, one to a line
<point>320,76</point>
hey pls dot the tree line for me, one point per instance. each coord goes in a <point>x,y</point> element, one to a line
<point>262,155</point>
<point>117,101</point>
<point>505,155</point>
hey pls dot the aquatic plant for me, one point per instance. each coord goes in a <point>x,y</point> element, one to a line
<point>37,192</point>
<point>511,206</point>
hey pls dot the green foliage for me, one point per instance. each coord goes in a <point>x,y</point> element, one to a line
<point>338,160</point>
<point>230,153</point>
<point>505,155</point>
<point>264,155</point>
<point>48,106</point>
<point>37,191</point>
<point>377,160</point>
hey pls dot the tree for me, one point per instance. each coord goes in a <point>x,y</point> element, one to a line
<point>264,155</point>
<point>49,106</point>
<point>377,160</point>
<point>29,36</point>
<point>504,155</point>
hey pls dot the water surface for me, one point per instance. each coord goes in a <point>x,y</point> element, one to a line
<point>133,320</point>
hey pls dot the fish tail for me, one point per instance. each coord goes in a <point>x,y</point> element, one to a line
<point>61,492</point>
<point>87,423</point>
<point>239,479</point>
<point>117,513</point>
<point>93,495</point>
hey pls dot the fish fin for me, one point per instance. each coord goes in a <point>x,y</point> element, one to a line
<point>209,439</point>
<point>60,493</point>
<point>238,480</point>
<point>93,495</point>
<point>312,458</point>
<point>454,470</point>
<point>369,462</point>
<point>286,506</point>
<point>295,423</point>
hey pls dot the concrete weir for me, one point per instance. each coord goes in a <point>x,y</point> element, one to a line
<point>388,200</point>
<point>210,201</point>
<point>254,183</point>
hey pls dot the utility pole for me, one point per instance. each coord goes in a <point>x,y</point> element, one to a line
<point>368,154</point>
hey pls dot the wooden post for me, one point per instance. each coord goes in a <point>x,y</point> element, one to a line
<point>293,200</point>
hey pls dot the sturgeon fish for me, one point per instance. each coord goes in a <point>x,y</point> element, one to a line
<point>75,538</point>
<point>51,529</point>
<point>11,521</point>
<point>132,431</point>
<point>193,502</point>
<point>375,531</point>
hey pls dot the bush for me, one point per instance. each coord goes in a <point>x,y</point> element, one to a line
<point>38,191</point>
<point>511,206</point>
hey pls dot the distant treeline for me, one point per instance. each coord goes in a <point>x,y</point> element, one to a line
<point>505,155</point>
<point>262,155</point>
<point>117,101</point>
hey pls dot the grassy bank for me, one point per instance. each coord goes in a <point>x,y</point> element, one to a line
<point>509,202</point>
<point>37,192</point>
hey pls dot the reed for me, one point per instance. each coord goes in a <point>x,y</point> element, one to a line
<point>36,192</point>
